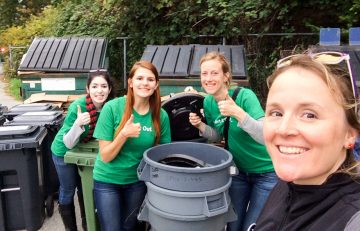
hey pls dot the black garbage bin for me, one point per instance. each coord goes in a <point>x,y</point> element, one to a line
<point>22,108</point>
<point>21,177</point>
<point>178,108</point>
<point>52,120</point>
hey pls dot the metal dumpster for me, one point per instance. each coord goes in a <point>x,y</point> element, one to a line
<point>60,65</point>
<point>178,65</point>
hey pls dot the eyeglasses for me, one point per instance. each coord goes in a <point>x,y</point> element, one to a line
<point>327,58</point>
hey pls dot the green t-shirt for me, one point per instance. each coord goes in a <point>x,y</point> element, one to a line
<point>249,156</point>
<point>122,169</point>
<point>58,147</point>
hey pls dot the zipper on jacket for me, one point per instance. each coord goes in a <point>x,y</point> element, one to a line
<point>288,202</point>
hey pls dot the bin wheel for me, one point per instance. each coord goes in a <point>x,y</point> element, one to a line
<point>49,205</point>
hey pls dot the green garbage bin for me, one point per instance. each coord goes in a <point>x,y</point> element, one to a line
<point>84,156</point>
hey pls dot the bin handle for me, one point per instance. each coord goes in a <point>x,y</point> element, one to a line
<point>233,170</point>
<point>143,171</point>
<point>223,208</point>
<point>144,212</point>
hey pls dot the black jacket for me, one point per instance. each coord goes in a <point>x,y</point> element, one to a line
<point>328,206</point>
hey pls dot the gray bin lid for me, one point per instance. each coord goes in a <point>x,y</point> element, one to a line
<point>19,137</point>
<point>65,55</point>
<point>184,60</point>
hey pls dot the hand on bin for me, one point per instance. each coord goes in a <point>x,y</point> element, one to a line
<point>83,118</point>
<point>194,119</point>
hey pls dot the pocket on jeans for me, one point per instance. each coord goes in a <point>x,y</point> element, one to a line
<point>269,177</point>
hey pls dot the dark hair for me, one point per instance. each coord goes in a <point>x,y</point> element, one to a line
<point>105,74</point>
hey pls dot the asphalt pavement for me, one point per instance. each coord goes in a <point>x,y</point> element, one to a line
<point>54,222</point>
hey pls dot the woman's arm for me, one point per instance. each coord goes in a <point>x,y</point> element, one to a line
<point>211,134</point>
<point>250,125</point>
<point>71,138</point>
<point>110,149</point>
<point>253,127</point>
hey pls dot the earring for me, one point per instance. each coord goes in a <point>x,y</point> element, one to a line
<point>350,146</point>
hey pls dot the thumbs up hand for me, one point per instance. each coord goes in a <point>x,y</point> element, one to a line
<point>228,107</point>
<point>131,129</point>
<point>83,118</point>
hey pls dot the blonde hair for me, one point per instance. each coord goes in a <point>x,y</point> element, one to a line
<point>339,84</point>
<point>225,65</point>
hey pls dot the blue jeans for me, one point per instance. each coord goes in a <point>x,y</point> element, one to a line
<point>118,205</point>
<point>248,193</point>
<point>69,179</point>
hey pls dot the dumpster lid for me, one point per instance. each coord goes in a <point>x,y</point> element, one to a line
<point>19,137</point>
<point>75,54</point>
<point>175,61</point>
<point>178,108</point>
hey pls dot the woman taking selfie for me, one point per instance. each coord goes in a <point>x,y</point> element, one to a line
<point>310,129</point>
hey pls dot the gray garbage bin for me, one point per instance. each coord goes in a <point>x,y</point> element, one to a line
<point>21,177</point>
<point>187,185</point>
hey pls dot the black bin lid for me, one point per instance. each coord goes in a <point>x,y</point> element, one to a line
<point>38,118</point>
<point>22,108</point>
<point>178,109</point>
<point>31,107</point>
<point>19,137</point>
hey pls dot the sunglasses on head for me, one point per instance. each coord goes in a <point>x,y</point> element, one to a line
<point>98,70</point>
<point>327,58</point>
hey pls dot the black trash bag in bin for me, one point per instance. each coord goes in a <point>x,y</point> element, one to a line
<point>178,108</point>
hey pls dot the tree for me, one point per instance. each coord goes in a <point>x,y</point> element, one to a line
<point>17,12</point>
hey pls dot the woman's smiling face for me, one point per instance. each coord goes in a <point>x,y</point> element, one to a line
<point>213,79</point>
<point>305,129</point>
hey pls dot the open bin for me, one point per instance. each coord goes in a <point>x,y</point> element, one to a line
<point>21,177</point>
<point>22,108</point>
<point>84,156</point>
<point>178,108</point>
<point>52,120</point>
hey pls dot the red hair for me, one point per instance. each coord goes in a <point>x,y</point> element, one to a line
<point>154,101</point>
